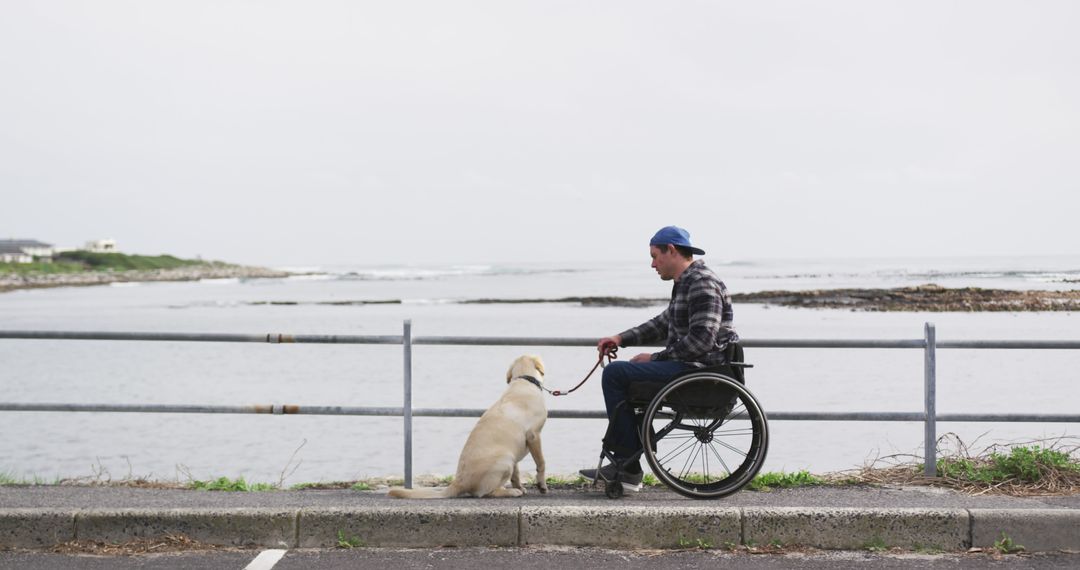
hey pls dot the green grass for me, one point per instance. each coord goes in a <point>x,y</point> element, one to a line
<point>761,482</point>
<point>226,484</point>
<point>781,480</point>
<point>1021,464</point>
<point>7,479</point>
<point>123,262</point>
<point>84,261</point>
<point>700,543</point>
<point>350,542</point>
<point>571,481</point>
<point>876,544</point>
<point>38,267</point>
<point>354,485</point>
<point>1007,546</point>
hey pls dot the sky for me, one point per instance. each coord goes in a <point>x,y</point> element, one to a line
<point>361,132</point>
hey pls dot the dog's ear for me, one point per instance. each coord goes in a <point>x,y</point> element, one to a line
<point>510,373</point>
<point>539,364</point>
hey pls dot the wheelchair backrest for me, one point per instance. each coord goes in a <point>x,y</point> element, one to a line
<point>736,363</point>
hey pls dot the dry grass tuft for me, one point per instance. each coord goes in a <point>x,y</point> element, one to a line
<point>165,543</point>
<point>1037,468</point>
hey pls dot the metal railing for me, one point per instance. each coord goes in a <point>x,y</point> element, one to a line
<point>928,344</point>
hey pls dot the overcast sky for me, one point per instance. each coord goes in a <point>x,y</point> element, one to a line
<point>313,132</point>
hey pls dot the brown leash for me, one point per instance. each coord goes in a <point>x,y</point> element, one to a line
<point>609,350</point>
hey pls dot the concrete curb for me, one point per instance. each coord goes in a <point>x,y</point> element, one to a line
<point>35,528</point>
<point>417,526</point>
<point>1037,530</point>
<point>232,527</point>
<point>851,529</point>
<point>631,527</point>
<point>614,526</point>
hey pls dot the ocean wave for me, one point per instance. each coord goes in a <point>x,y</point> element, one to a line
<point>207,305</point>
<point>436,273</point>
<point>301,269</point>
<point>1041,276</point>
<point>311,277</point>
<point>583,301</point>
<point>1048,276</point>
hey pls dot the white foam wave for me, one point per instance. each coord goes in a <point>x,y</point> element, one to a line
<point>312,277</point>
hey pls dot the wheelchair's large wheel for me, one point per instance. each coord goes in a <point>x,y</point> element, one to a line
<point>705,435</point>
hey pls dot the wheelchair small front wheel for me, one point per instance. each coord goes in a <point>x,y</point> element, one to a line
<point>613,489</point>
<point>705,435</point>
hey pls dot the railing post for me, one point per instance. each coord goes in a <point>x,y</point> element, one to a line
<point>930,395</point>
<point>406,405</point>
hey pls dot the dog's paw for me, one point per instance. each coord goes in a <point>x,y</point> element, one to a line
<point>543,488</point>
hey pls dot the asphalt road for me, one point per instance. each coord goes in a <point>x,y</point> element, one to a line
<point>537,558</point>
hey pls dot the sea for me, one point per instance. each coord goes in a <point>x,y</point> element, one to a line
<point>350,299</point>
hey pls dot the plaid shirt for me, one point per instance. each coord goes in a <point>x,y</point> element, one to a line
<point>697,324</point>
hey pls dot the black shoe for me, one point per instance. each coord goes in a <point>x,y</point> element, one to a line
<point>630,481</point>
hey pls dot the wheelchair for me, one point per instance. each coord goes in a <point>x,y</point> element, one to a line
<point>703,433</point>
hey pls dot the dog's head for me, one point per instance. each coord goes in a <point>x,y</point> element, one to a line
<point>526,365</point>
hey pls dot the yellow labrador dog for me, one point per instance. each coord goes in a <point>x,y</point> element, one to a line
<point>498,442</point>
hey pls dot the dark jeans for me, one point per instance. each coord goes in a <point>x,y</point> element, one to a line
<point>617,378</point>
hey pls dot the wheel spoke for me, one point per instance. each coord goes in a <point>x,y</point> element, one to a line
<point>705,462</point>
<point>678,450</point>
<point>735,431</point>
<point>720,459</point>
<point>733,448</point>
<point>689,463</point>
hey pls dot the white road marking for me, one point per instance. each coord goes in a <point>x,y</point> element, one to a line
<point>266,560</point>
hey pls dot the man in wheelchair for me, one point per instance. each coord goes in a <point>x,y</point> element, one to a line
<point>697,330</point>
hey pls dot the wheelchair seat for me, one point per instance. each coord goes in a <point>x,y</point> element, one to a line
<point>639,394</point>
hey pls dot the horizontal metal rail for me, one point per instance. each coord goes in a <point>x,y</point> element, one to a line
<point>279,338</point>
<point>289,409</point>
<point>928,344</point>
<point>272,338</point>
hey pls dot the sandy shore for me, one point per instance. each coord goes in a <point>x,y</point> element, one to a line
<point>11,282</point>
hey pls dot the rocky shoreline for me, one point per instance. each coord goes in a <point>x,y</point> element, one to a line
<point>929,298</point>
<point>924,298</point>
<point>11,282</point>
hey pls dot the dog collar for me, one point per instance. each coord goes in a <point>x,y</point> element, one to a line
<point>532,380</point>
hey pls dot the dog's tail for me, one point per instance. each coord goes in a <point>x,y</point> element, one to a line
<point>424,493</point>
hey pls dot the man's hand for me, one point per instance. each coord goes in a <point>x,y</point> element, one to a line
<point>607,341</point>
<point>643,357</point>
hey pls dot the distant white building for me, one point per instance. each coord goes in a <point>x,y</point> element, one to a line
<point>7,257</point>
<point>24,250</point>
<point>101,246</point>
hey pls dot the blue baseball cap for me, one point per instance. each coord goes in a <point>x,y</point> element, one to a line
<point>674,235</point>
